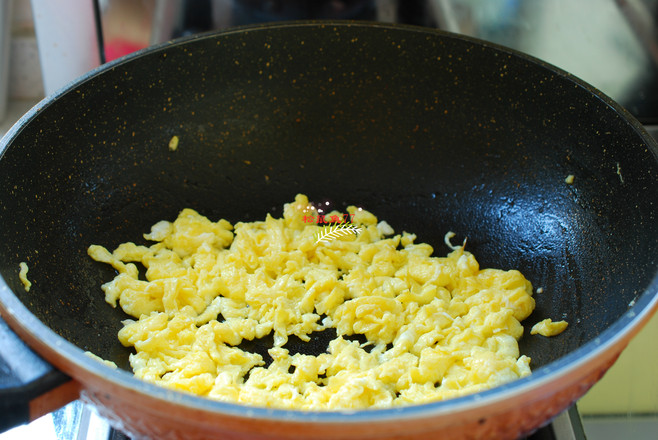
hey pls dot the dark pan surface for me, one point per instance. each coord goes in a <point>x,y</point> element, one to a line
<point>430,132</point>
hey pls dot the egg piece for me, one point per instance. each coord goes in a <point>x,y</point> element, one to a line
<point>548,328</point>
<point>22,275</point>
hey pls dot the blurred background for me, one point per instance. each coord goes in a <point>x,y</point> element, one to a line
<point>611,44</point>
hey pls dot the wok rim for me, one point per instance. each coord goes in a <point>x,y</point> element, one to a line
<point>637,315</point>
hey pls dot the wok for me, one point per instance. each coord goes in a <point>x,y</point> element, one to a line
<point>431,131</point>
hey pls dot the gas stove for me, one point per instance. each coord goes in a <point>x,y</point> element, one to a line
<point>81,422</point>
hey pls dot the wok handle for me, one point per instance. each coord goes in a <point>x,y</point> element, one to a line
<point>29,386</point>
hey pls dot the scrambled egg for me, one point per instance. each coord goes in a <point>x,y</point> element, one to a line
<point>100,359</point>
<point>22,275</point>
<point>549,328</point>
<point>173,143</point>
<point>436,328</point>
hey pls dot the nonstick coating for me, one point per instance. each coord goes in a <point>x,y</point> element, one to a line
<point>430,131</point>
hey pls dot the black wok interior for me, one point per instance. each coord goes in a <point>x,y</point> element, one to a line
<point>429,131</point>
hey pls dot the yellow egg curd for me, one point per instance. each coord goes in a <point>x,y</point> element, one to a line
<point>436,327</point>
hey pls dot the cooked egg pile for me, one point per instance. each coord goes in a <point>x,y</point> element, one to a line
<point>436,328</point>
